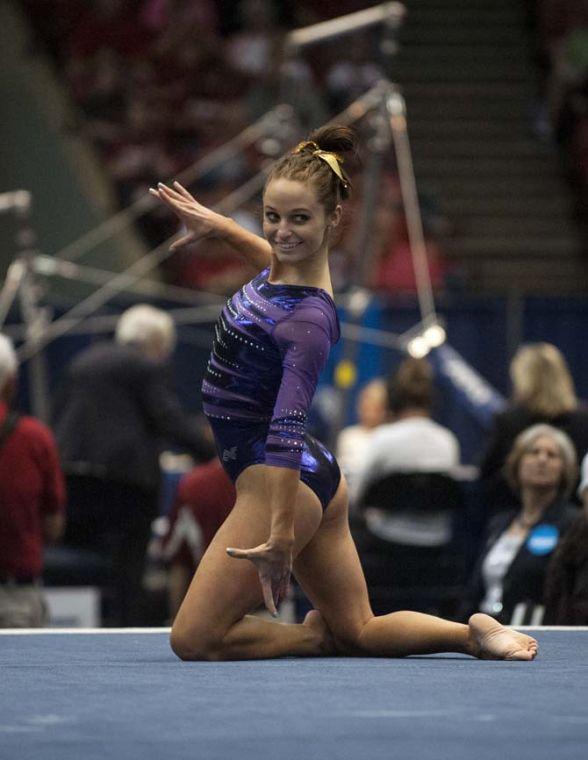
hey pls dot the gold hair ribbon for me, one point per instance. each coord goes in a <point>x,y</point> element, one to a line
<point>334,160</point>
<point>304,145</point>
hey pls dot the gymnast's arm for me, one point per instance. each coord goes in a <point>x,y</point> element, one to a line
<point>273,559</point>
<point>305,347</point>
<point>202,222</point>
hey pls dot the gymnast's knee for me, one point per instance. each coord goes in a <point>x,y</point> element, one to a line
<point>348,640</point>
<point>193,644</point>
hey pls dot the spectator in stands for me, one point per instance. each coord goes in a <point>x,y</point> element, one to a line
<point>251,49</point>
<point>113,24</point>
<point>509,578</point>
<point>561,39</point>
<point>543,391</point>
<point>354,441</point>
<point>163,16</point>
<point>204,498</point>
<point>563,28</point>
<point>116,411</point>
<point>398,540</point>
<point>412,441</point>
<point>566,587</point>
<point>257,54</point>
<point>353,72</point>
<point>395,270</point>
<point>32,497</point>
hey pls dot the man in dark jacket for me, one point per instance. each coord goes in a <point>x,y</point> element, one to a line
<point>117,411</point>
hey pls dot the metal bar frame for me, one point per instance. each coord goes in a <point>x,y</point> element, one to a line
<point>385,100</point>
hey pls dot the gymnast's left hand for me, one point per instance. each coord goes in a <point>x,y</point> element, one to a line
<point>200,222</point>
<point>273,561</point>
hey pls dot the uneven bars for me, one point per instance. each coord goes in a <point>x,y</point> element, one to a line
<point>106,323</point>
<point>118,221</point>
<point>390,12</point>
<point>49,266</point>
<point>121,282</point>
<point>206,314</point>
<point>121,219</point>
<point>56,265</point>
<point>94,301</point>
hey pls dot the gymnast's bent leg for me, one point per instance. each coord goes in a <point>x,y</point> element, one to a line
<point>329,571</point>
<point>213,622</point>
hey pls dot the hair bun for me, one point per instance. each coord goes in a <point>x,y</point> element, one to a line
<point>335,138</point>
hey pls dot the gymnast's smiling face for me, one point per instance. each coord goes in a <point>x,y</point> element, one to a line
<point>295,222</point>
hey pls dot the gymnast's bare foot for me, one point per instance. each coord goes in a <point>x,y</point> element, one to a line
<point>492,641</point>
<point>315,620</point>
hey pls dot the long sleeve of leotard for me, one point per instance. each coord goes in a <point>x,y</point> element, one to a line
<point>304,345</point>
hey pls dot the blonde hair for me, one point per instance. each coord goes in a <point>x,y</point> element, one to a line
<point>542,381</point>
<point>374,395</point>
<point>8,361</point>
<point>525,441</point>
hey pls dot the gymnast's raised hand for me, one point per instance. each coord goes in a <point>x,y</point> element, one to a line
<point>200,221</point>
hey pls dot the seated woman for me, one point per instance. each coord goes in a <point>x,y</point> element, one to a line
<point>508,581</point>
<point>542,391</point>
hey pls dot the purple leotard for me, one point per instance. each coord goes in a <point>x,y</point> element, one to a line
<point>271,344</point>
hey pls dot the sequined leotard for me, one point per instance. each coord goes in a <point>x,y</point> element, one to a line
<point>271,344</point>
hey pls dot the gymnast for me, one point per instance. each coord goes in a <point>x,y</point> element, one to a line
<point>291,514</point>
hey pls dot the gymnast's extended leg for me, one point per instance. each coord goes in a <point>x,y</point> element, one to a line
<point>330,573</point>
<point>213,622</point>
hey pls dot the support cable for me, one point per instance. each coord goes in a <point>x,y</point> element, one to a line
<point>396,108</point>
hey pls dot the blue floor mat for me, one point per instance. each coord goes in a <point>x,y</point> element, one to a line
<point>109,695</point>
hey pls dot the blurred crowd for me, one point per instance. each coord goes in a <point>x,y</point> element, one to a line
<point>560,36</point>
<point>507,542</point>
<point>159,84</point>
<point>510,542</point>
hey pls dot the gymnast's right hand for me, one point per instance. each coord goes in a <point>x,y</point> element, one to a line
<point>200,221</point>
<point>274,565</point>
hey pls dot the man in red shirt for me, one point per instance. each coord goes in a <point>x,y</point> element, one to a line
<point>204,499</point>
<point>32,503</point>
